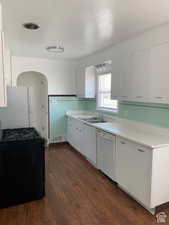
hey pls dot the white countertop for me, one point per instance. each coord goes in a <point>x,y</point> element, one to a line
<point>141,133</point>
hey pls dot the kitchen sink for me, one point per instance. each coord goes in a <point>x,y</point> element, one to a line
<point>95,120</point>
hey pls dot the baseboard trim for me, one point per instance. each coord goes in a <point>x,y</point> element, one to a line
<point>59,139</point>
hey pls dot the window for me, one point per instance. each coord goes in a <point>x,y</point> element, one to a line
<point>104,100</point>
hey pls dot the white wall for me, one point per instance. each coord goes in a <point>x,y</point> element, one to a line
<point>60,74</point>
<point>115,53</point>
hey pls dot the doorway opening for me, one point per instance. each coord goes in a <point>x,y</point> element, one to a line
<point>38,100</point>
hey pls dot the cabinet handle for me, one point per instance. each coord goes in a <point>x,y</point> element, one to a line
<point>138,96</point>
<point>158,97</point>
<point>140,150</point>
<point>122,142</point>
<point>124,96</point>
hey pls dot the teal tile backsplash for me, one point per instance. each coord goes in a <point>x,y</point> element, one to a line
<point>57,109</point>
<point>156,114</point>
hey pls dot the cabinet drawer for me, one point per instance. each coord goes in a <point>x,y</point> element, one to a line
<point>134,146</point>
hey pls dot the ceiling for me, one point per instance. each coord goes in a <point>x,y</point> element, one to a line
<point>83,26</point>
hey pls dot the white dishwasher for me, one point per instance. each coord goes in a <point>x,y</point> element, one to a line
<point>106,153</point>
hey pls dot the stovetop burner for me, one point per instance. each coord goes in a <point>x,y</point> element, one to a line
<point>20,134</point>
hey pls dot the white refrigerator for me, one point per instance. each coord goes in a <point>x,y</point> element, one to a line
<point>16,114</point>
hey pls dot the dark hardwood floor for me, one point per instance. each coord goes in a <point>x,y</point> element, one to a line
<point>77,194</point>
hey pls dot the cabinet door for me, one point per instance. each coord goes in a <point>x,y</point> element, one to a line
<point>2,78</point>
<point>133,169</point>
<point>69,129</point>
<point>80,82</point>
<point>89,142</point>
<point>90,82</point>
<point>115,80</point>
<point>76,134</point>
<point>7,62</point>
<point>106,154</point>
<point>124,71</point>
<point>7,67</point>
<point>140,75</point>
<point>159,74</point>
<point>79,137</point>
<point>72,131</point>
<point>86,82</point>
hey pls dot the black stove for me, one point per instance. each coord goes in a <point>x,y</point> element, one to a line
<point>20,134</point>
<point>22,166</point>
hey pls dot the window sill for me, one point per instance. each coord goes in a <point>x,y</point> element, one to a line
<point>107,110</point>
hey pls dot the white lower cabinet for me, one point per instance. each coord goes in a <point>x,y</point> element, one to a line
<point>89,139</point>
<point>78,135</point>
<point>69,134</point>
<point>133,169</point>
<point>82,137</point>
<point>106,151</point>
<point>74,133</point>
<point>142,172</point>
<point>139,170</point>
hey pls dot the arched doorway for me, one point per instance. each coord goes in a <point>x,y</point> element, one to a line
<point>38,99</point>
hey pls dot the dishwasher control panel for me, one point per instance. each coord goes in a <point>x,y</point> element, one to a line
<point>104,134</point>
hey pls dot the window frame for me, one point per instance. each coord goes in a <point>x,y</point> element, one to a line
<point>99,108</point>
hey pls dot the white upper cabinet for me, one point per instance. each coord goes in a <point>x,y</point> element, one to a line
<point>86,82</point>
<point>115,81</point>
<point>125,77</point>
<point>121,78</point>
<point>80,82</point>
<point>142,76</point>
<point>159,74</point>
<point>140,79</point>
<point>133,76</point>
